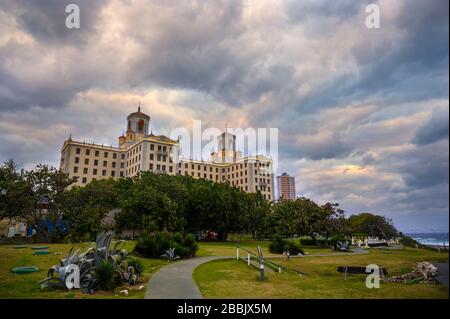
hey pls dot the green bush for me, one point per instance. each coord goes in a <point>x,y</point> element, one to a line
<point>136,264</point>
<point>105,276</point>
<point>335,239</point>
<point>155,244</point>
<point>311,242</point>
<point>409,242</point>
<point>280,245</point>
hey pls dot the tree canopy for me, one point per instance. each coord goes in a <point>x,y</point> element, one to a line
<point>45,197</point>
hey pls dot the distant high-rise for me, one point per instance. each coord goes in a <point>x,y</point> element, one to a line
<point>286,186</point>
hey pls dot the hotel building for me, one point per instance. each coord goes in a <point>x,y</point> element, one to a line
<point>139,151</point>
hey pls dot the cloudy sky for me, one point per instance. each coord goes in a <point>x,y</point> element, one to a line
<point>363,114</point>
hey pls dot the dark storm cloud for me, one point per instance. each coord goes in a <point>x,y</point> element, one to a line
<point>57,84</point>
<point>396,72</point>
<point>423,167</point>
<point>353,106</point>
<point>194,53</point>
<point>45,19</point>
<point>434,129</point>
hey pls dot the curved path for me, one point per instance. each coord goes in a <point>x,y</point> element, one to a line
<point>175,281</point>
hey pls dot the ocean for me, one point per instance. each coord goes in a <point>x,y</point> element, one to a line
<point>430,239</point>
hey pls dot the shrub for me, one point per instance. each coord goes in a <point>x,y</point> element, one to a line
<point>311,242</point>
<point>409,242</point>
<point>105,275</point>
<point>136,264</point>
<point>155,244</point>
<point>280,245</point>
<point>335,239</point>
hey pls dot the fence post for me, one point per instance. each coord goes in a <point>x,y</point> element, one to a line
<point>279,270</point>
<point>248,259</point>
<point>237,252</point>
<point>382,273</point>
<point>261,269</point>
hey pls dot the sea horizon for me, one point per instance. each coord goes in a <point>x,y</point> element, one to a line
<point>430,238</point>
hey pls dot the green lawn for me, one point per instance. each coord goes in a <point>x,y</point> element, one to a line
<point>234,279</point>
<point>27,286</point>
<point>229,248</point>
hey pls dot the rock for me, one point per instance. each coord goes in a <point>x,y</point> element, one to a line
<point>141,287</point>
<point>124,292</point>
<point>423,272</point>
<point>426,269</point>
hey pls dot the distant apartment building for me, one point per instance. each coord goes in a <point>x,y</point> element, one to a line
<point>286,186</point>
<point>139,151</point>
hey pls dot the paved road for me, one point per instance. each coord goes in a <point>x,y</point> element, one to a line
<point>442,277</point>
<point>175,281</point>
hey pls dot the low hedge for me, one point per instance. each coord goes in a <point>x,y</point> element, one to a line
<point>311,242</point>
<point>153,245</point>
<point>336,239</point>
<point>280,245</point>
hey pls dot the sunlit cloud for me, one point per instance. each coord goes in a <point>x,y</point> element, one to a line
<point>362,114</point>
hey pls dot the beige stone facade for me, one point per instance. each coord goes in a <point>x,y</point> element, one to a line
<point>140,151</point>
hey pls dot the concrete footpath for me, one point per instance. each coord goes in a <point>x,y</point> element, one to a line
<point>175,281</point>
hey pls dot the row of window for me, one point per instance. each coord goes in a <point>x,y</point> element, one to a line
<point>159,157</point>
<point>134,151</point>
<point>94,171</point>
<point>161,148</point>
<point>134,160</point>
<point>105,163</point>
<point>87,152</point>
<point>133,169</point>
<point>204,175</point>
<point>160,168</point>
<point>84,179</point>
<point>228,169</point>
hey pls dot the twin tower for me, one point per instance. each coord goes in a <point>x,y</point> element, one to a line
<point>138,127</point>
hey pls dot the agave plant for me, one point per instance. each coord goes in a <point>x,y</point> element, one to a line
<point>87,280</point>
<point>342,246</point>
<point>169,254</point>
<point>102,249</point>
<point>90,262</point>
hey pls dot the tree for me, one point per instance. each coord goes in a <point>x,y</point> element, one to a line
<point>85,208</point>
<point>285,219</point>
<point>48,186</point>
<point>257,217</point>
<point>16,195</point>
<point>331,220</point>
<point>309,220</point>
<point>151,202</point>
<point>374,225</point>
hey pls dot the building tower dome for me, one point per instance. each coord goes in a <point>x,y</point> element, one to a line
<point>138,124</point>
